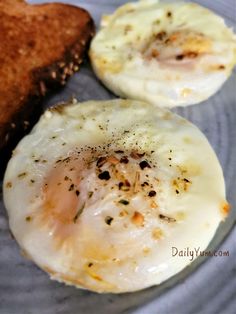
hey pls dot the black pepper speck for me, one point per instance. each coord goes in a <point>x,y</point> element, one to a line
<point>124,160</point>
<point>105,175</point>
<point>124,202</point>
<point>144,164</point>
<point>152,193</point>
<point>119,151</point>
<point>108,220</point>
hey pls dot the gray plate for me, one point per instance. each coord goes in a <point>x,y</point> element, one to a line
<point>207,289</point>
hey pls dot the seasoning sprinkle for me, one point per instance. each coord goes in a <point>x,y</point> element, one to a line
<point>124,202</point>
<point>120,185</point>
<point>186,180</point>
<point>79,212</point>
<point>144,164</point>
<point>166,218</point>
<point>124,186</point>
<point>136,155</point>
<point>71,188</point>
<point>90,194</point>
<point>22,175</point>
<point>179,57</point>
<point>152,193</point>
<point>136,182</point>
<point>105,175</point>
<point>221,67</point>
<point>108,220</point>
<point>161,35</point>
<point>119,151</point>
<point>67,159</point>
<point>124,160</point>
<point>8,184</point>
<point>101,161</point>
<point>138,219</point>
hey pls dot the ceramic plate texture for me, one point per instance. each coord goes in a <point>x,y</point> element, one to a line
<point>209,288</point>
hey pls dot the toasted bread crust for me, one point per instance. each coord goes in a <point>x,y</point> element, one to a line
<point>41,47</point>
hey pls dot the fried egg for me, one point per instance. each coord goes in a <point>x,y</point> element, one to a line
<point>100,192</point>
<point>168,54</point>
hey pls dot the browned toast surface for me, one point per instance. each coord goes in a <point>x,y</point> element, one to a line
<point>40,47</point>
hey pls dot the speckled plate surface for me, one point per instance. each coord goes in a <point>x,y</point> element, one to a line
<point>210,288</point>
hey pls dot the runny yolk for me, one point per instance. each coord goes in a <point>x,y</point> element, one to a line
<point>179,46</point>
<point>61,195</point>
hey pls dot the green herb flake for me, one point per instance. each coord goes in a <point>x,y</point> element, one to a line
<point>124,202</point>
<point>22,175</point>
<point>90,194</point>
<point>79,212</point>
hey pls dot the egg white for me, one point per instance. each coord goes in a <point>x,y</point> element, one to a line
<point>168,54</point>
<point>113,234</point>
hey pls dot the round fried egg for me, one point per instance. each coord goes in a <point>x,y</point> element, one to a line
<point>100,192</point>
<point>168,54</point>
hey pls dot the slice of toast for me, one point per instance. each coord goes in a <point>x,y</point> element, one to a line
<point>41,46</point>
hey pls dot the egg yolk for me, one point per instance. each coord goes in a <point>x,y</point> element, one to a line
<point>178,46</point>
<point>77,182</point>
<point>61,192</point>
